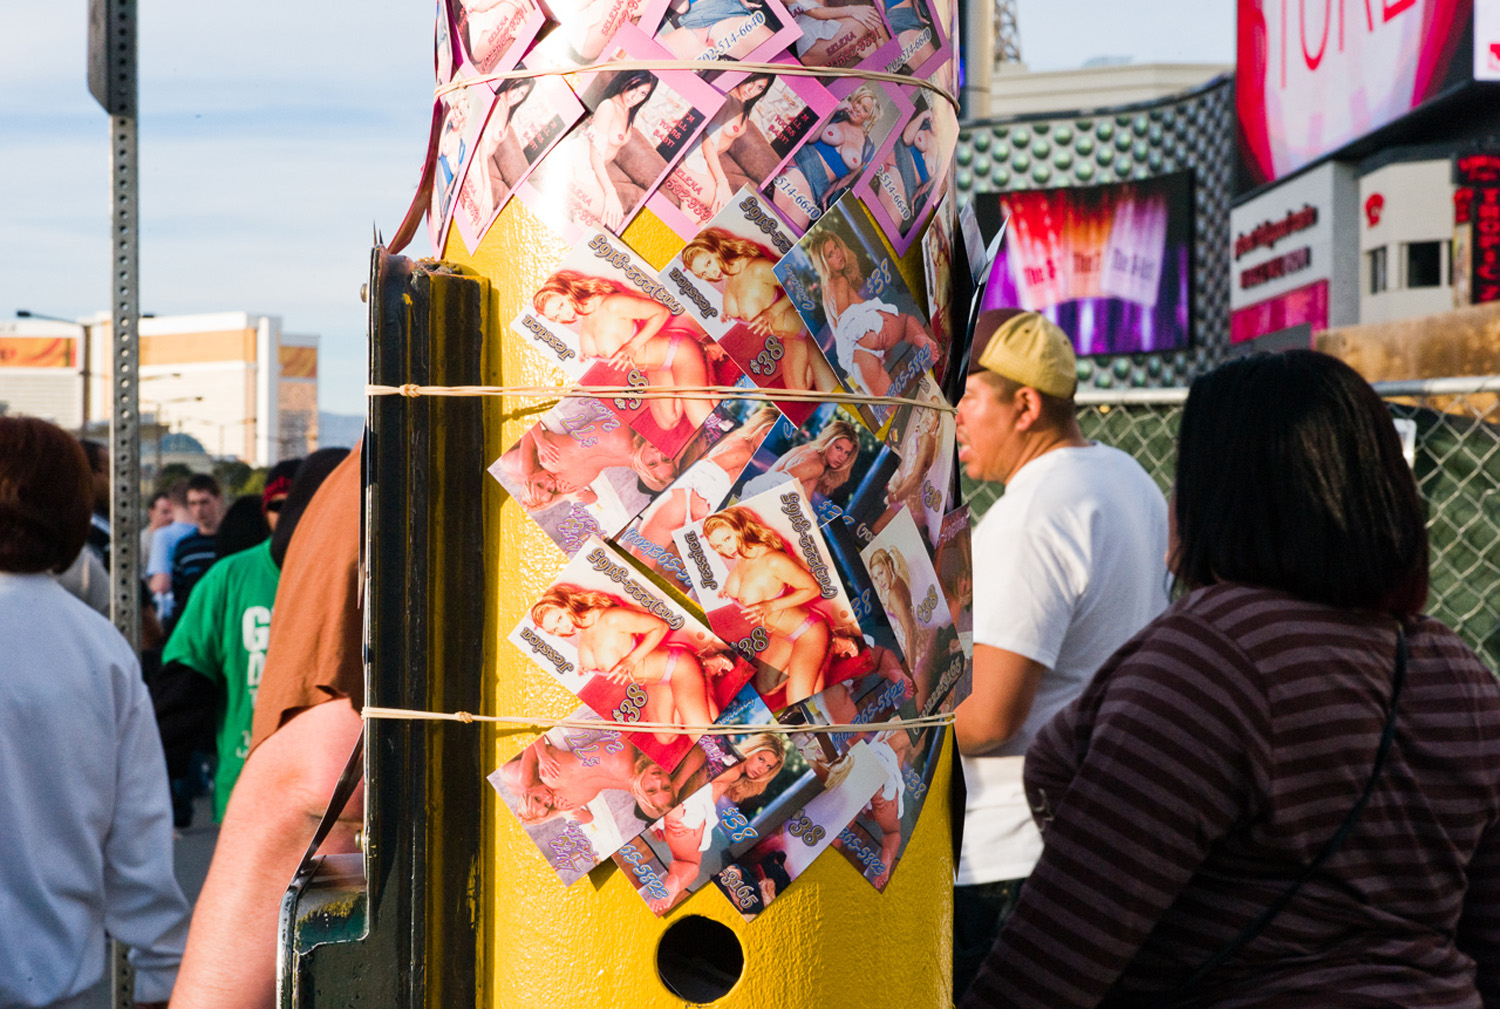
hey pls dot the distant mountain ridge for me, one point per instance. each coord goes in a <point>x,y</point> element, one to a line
<point>339,430</point>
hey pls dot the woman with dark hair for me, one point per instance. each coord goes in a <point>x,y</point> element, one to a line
<point>1285,790</point>
<point>705,191</point>
<point>85,818</point>
<point>607,132</point>
<point>310,476</point>
<point>244,525</point>
<point>278,486</point>
<point>504,155</point>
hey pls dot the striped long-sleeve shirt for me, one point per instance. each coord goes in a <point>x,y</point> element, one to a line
<point>1207,763</point>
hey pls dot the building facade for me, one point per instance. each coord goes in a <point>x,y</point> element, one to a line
<point>1085,146</point>
<point>233,381</point>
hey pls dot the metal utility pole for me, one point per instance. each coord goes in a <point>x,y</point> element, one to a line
<point>1007,33</point>
<point>112,81</point>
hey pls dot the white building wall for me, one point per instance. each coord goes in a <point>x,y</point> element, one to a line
<point>1415,200</point>
<point>54,394</point>
<point>216,376</point>
<point>1331,192</point>
<point>1016,91</point>
<point>267,378</point>
<point>208,401</point>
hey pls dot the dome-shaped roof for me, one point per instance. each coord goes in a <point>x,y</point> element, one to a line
<point>176,441</point>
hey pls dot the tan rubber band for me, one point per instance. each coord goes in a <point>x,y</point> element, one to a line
<point>534,722</point>
<point>792,69</point>
<point>413,391</point>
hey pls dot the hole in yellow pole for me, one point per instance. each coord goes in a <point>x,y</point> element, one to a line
<point>699,959</point>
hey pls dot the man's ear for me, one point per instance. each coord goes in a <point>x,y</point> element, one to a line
<point>1028,403</point>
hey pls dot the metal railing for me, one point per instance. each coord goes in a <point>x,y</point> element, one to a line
<point>1457,465</point>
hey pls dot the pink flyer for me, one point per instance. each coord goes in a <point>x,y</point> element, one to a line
<point>494,33</point>
<point>838,153</point>
<point>640,124</point>
<point>751,30</point>
<point>763,120</point>
<point>527,119</point>
<point>911,167</point>
<point>629,652</point>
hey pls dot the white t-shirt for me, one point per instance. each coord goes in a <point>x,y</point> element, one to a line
<point>1068,564</point>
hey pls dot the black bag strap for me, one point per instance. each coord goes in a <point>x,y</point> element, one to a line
<point>1330,846</point>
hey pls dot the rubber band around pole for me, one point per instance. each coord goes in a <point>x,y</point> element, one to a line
<point>790,69</point>
<point>414,391</point>
<point>534,722</point>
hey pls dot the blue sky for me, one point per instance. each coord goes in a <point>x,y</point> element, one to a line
<point>275,136</point>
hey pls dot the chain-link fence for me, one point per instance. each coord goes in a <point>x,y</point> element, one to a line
<point>1456,461</point>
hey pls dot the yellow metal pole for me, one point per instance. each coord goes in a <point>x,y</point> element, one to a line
<point>831,942</point>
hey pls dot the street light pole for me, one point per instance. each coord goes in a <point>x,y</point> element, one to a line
<point>85,357</point>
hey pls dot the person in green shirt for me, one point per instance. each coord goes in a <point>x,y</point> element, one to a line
<point>225,629</point>
<point>223,635</point>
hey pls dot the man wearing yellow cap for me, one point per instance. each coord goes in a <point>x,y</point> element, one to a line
<point>1068,565</point>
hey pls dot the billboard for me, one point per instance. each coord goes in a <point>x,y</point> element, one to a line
<point>1110,264</point>
<point>1487,40</point>
<point>37,352</point>
<point>1314,75</point>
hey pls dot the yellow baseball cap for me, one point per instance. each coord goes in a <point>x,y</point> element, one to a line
<point>1027,348</point>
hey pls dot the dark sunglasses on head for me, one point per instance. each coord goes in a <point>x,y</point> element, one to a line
<point>275,506</point>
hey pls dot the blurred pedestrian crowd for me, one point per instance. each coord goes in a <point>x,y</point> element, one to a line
<point>89,828</point>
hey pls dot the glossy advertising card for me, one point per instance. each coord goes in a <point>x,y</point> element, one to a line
<point>911,170</point>
<point>842,468</point>
<point>834,796</point>
<point>701,489</point>
<point>604,319</point>
<point>938,265</point>
<point>878,835</point>
<point>838,152</point>
<point>764,118</point>
<point>581,793</point>
<point>527,118</point>
<point>922,41</point>
<point>767,584</point>
<point>462,114</point>
<point>924,437</point>
<point>753,30</point>
<point>581,471</point>
<point>609,635</point>
<point>583,29</point>
<point>744,802</point>
<point>493,34</point>
<point>640,123</point>
<point>838,35</point>
<point>846,285</point>
<point>913,598</point>
<point>725,277</point>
